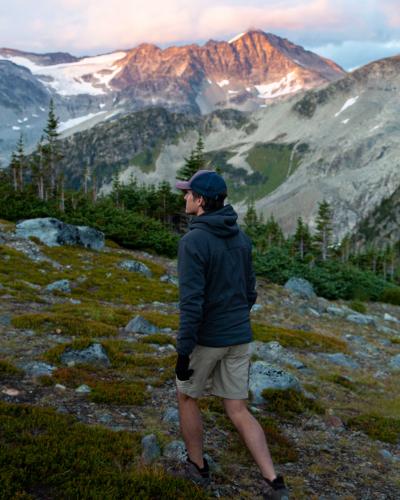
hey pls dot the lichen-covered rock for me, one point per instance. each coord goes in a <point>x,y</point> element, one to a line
<point>37,368</point>
<point>175,450</point>
<point>273,352</point>
<point>136,267</point>
<point>94,354</point>
<point>341,359</point>
<point>266,376</point>
<point>171,416</point>
<point>300,287</point>
<point>140,325</point>
<point>394,362</point>
<point>167,278</point>
<point>150,449</point>
<point>360,319</point>
<point>53,232</point>
<point>60,286</point>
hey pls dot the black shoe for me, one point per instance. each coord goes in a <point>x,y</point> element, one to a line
<point>276,489</point>
<point>195,474</point>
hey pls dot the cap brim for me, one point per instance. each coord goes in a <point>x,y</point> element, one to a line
<point>184,185</point>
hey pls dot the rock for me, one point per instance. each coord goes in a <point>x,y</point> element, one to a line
<point>341,359</point>
<point>135,266</point>
<point>314,312</point>
<point>53,232</point>
<point>256,308</point>
<point>388,456</point>
<point>60,286</point>
<point>386,330</point>
<point>83,389</point>
<point>94,354</point>
<point>265,376</point>
<point>333,421</point>
<point>166,278</point>
<point>9,391</point>
<point>175,450</point>
<point>388,317</point>
<point>171,416</point>
<point>150,449</point>
<point>394,362</point>
<point>60,387</point>
<point>37,368</point>
<point>300,287</point>
<point>5,319</point>
<point>140,325</point>
<point>360,319</point>
<point>274,352</point>
<point>337,311</point>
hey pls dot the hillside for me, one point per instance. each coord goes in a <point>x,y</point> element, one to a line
<point>347,413</point>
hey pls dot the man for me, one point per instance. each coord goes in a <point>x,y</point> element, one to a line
<point>217,291</point>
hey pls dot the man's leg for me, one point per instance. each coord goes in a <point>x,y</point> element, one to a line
<point>252,434</point>
<point>191,428</point>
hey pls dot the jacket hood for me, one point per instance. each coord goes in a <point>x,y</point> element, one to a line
<point>221,222</point>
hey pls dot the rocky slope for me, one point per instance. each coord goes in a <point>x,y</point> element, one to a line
<point>245,73</point>
<point>340,439</point>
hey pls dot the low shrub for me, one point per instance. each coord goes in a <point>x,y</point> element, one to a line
<point>44,454</point>
<point>377,427</point>
<point>391,296</point>
<point>289,403</point>
<point>7,368</point>
<point>358,306</point>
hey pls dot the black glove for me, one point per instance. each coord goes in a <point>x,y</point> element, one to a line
<point>182,367</point>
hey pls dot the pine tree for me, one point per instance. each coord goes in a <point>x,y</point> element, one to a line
<point>14,167</point>
<point>39,174</point>
<point>323,236</point>
<point>195,162</point>
<point>302,239</point>
<point>21,162</point>
<point>51,149</point>
<point>273,233</point>
<point>251,223</point>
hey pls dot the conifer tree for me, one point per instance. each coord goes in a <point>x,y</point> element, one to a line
<point>302,238</point>
<point>273,233</point>
<point>51,149</point>
<point>323,236</point>
<point>195,162</point>
<point>251,225</point>
<point>21,162</point>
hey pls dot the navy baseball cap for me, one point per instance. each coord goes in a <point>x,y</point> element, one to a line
<point>204,182</point>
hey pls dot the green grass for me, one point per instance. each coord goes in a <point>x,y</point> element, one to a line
<point>158,338</point>
<point>147,159</point>
<point>8,369</point>
<point>63,324</point>
<point>376,426</point>
<point>289,403</point>
<point>310,341</point>
<point>47,455</point>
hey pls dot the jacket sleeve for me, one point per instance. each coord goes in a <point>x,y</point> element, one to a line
<point>251,283</point>
<point>191,274</point>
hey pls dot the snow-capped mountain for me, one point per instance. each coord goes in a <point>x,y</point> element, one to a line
<point>246,73</point>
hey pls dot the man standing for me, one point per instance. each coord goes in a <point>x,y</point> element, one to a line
<point>217,291</point>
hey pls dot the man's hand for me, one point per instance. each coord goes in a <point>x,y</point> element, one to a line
<point>182,367</point>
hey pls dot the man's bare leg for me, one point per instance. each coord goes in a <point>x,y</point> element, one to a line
<point>191,427</point>
<point>252,434</point>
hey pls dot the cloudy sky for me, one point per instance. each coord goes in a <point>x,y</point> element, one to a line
<point>351,32</point>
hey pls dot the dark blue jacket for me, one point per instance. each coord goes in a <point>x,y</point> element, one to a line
<point>216,282</point>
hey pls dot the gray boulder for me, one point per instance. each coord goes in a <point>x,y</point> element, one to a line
<point>389,317</point>
<point>83,389</point>
<point>266,376</point>
<point>171,416</point>
<point>360,319</point>
<point>167,278</point>
<point>140,325</point>
<point>301,288</point>
<point>341,359</point>
<point>337,311</point>
<point>394,362</point>
<point>150,449</point>
<point>60,286</point>
<point>136,267</point>
<point>53,232</point>
<point>273,352</point>
<point>37,368</point>
<point>94,354</point>
<point>175,450</point>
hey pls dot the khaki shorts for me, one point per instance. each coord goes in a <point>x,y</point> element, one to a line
<point>221,371</point>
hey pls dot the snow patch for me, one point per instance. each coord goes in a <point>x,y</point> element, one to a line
<point>71,78</point>
<point>16,128</point>
<point>347,104</point>
<point>76,121</point>
<point>346,121</point>
<point>34,115</point>
<point>223,83</point>
<point>248,89</point>
<point>233,91</point>
<point>287,85</point>
<point>209,81</point>
<point>376,127</point>
<point>237,37</point>
<point>101,105</point>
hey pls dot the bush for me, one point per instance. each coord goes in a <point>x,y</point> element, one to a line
<point>377,427</point>
<point>358,306</point>
<point>391,296</point>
